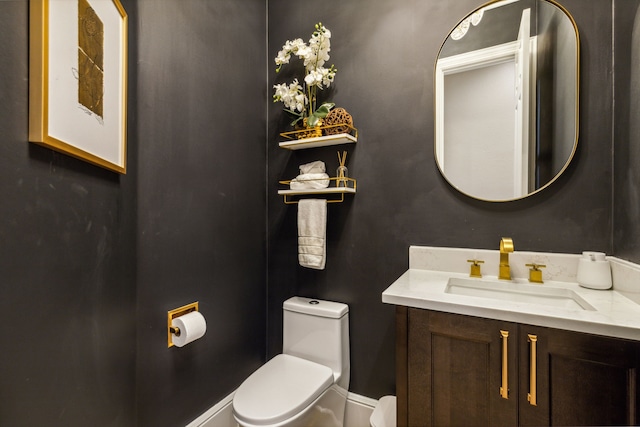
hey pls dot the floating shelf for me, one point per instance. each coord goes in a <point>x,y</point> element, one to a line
<point>295,140</point>
<point>341,191</point>
<point>320,141</point>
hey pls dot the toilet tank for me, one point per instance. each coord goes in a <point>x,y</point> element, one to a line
<point>318,330</point>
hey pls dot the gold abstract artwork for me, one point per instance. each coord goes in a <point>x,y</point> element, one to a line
<point>90,58</point>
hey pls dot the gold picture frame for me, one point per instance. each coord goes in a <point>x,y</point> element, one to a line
<point>78,79</point>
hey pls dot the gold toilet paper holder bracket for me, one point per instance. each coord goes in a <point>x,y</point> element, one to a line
<point>177,312</point>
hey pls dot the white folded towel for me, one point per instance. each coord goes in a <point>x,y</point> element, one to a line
<point>313,167</point>
<point>312,233</point>
<point>310,181</point>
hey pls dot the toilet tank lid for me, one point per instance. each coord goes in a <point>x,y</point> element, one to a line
<point>316,307</point>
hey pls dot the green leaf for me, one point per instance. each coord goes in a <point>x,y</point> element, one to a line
<point>323,110</point>
<point>293,123</point>
<point>312,121</point>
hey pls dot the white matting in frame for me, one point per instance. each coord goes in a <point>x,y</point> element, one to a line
<point>78,79</point>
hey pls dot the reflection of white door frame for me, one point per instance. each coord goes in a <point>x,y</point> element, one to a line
<point>521,151</point>
<point>521,54</point>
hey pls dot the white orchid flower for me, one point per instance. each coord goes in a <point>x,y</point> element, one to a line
<point>300,100</point>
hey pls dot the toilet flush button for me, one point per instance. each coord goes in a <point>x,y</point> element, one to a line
<point>314,302</point>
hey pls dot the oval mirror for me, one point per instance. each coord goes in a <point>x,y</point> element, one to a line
<point>506,99</point>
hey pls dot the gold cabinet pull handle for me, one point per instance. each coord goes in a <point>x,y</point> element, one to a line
<point>504,389</point>
<point>531,397</point>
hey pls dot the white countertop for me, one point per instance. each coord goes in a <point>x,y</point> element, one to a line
<point>615,315</point>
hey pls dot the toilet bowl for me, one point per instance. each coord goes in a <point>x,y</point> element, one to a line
<point>307,384</point>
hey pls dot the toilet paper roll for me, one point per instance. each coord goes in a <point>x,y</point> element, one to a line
<point>192,326</point>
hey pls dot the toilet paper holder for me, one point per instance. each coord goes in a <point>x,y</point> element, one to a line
<point>177,312</point>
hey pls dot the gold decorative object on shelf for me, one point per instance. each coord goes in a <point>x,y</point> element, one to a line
<point>338,121</point>
<point>309,131</point>
<point>341,172</point>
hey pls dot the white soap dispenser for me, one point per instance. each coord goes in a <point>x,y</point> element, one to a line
<point>594,271</point>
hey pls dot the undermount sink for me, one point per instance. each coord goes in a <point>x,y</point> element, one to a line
<point>518,292</point>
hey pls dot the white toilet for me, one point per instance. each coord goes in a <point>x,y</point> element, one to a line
<point>307,384</point>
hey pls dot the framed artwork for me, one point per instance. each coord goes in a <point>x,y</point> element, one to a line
<point>78,79</point>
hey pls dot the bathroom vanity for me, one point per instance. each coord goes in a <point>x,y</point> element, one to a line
<point>452,370</point>
<point>480,351</point>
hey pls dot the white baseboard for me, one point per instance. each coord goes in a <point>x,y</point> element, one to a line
<point>219,415</point>
<point>357,413</point>
<point>358,410</point>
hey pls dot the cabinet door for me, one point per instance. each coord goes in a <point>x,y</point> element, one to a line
<point>580,379</point>
<point>455,370</point>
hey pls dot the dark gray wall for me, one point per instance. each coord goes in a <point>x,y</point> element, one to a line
<point>80,245</point>
<point>189,216</point>
<point>626,232</point>
<point>67,259</point>
<point>200,137</point>
<point>385,51</point>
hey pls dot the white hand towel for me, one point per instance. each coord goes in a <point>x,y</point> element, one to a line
<point>313,167</point>
<point>310,181</point>
<point>312,233</point>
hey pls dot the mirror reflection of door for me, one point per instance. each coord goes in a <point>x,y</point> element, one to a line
<point>483,145</point>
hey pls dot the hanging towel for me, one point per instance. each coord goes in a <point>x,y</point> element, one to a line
<point>312,233</point>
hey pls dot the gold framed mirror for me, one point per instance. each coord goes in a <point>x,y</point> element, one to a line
<point>506,99</point>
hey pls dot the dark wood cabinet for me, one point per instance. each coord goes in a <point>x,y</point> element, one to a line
<point>582,379</point>
<point>456,370</point>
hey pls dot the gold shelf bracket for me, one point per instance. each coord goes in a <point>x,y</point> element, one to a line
<point>350,188</point>
<point>288,201</point>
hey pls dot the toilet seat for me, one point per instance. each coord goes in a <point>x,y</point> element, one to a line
<point>280,389</point>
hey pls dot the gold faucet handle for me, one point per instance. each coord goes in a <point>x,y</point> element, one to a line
<point>535,274</point>
<point>475,267</point>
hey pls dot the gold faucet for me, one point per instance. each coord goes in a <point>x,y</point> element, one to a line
<point>506,246</point>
